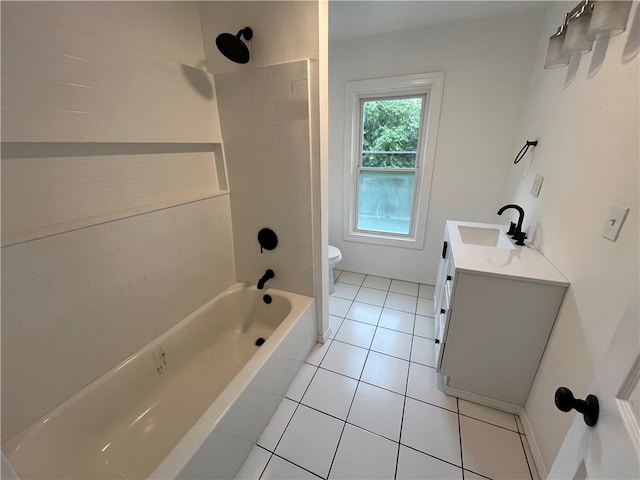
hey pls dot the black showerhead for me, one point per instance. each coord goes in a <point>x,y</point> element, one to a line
<point>232,46</point>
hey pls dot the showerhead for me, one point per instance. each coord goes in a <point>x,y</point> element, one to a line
<point>232,46</point>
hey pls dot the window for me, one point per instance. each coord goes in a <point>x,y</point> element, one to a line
<point>389,148</point>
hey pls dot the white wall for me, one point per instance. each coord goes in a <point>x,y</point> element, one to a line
<point>586,118</point>
<point>282,31</point>
<point>487,63</point>
<point>108,241</point>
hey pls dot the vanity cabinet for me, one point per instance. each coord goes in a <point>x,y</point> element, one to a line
<point>495,309</point>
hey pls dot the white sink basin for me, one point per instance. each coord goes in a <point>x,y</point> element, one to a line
<point>486,237</point>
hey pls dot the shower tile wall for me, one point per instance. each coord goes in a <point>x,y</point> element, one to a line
<point>265,125</point>
<point>65,83</point>
<point>76,304</point>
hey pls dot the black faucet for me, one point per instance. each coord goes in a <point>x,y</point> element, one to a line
<point>516,233</point>
<point>267,275</point>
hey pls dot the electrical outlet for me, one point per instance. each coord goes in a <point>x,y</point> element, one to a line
<point>535,187</point>
<point>614,223</point>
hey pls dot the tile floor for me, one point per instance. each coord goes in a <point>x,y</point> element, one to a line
<point>365,404</point>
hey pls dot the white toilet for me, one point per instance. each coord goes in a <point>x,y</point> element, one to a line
<point>335,256</point>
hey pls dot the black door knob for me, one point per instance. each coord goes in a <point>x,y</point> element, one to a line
<point>589,407</point>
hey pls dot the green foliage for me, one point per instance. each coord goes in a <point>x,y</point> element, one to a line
<point>391,126</point>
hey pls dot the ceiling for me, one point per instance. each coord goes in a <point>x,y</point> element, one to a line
<point>355,19</point>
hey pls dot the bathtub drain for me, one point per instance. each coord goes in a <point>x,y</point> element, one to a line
<point>260,341</point>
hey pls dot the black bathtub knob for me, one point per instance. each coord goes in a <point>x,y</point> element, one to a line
<point>588,407</point>
<point>267,239</point>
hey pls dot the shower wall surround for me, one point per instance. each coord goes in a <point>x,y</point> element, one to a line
<point>115,206</point>
<point>265,124</point>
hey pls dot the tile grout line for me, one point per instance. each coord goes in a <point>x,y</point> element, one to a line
<point>344,425</point>
<point>267,462</point>
<point>460,436</point>
<point>526,457</point>
<point>294,463</point>
<point>347,415</point>
<point>404,405</point>
<point>354,394</point>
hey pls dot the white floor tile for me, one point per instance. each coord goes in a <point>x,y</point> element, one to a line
<point>338,306</point>
<point>371,296</point>
<point>490,415</point>
<point>306,435</point>
<point>363,455</point>
<point>254,464</point>
<point>431,430</point>
<point>334,324</point>
<point>377,410</point>
<point>392,342</point>
<point>310,440</point>
<point>330,393</point>
<point>425,307</point>
<point>397,320</point>
<point>364,313</point>
<point>423,385</point>
<point>274,429</point>
<point>356,333</point>
<point>380,283</point>
<point>414,465</point>
<point>318,352</point>
<point>336,274</point>
<point>399,301</point>
<point>301,382</point>
<point>345,359</point>
<point>407,288</point>
<point>386,372</point>
<point>426,291</point>
<point>345,290</point>
<point>492,451</point>
<point>279,469</point>
<point>423,351</point>
<point>469,475</point>
<point>352,278</point>
<point>425,327</point>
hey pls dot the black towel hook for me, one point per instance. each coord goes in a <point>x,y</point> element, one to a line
<point>523,150</point>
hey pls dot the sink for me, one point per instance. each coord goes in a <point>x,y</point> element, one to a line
<point>486,237</point>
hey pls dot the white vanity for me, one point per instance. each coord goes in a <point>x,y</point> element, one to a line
<point>495,306</point>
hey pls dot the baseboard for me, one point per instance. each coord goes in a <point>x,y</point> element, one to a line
<point>533,445</point>
<point>376,273</point>
<point>325,336</point>
<point>487,401</point>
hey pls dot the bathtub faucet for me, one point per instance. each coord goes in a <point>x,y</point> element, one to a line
<point>267,275</point>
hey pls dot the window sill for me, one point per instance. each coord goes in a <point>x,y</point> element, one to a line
<point>381,239</point>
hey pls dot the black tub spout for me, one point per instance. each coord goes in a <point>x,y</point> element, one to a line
<point>267,275</point>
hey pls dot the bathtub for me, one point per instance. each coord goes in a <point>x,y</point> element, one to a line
<point>190,404</point>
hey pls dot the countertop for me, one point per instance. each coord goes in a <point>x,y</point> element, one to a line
<point>521,262</point>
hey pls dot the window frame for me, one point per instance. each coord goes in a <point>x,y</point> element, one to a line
<point>430,85</point>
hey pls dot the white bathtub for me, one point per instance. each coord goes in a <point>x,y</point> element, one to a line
<point>190,404</point>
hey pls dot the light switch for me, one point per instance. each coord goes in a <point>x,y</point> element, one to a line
<point>614,223</point>
<point>535,187</point>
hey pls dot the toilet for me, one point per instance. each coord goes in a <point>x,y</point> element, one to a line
<point>335,256</point>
